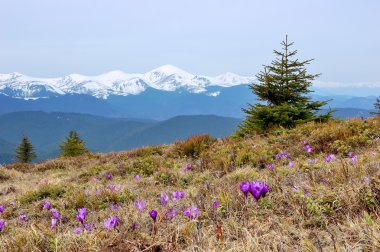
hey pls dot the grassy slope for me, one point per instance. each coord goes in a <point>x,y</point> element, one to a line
<point>336,205</point>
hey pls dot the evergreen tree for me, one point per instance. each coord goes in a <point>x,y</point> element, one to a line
<point>25,151</point>
<point>283,86</point>
<point>377,106</point>
<point>73,145</point>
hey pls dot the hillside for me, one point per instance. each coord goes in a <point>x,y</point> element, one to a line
<point>103,134</point>
<point>323,194</point>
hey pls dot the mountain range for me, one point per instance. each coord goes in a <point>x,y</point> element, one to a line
<point>159,94</point>
<point>165,78</point>
<point>47,130</point>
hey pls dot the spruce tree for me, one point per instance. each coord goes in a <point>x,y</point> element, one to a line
<point>282,87</point>
<point>377,106</point>
<point>73,145</point>
<point>25,151</point>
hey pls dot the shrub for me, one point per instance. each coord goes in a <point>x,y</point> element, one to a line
<point>193,146</point>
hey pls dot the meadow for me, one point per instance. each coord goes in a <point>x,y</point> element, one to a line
<point>312,188</point>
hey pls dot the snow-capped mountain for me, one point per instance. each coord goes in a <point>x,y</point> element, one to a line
<point>165,78</point>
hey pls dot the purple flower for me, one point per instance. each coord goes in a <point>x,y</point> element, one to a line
<point>350,154</point>
<point>291,164</point>
<point>271,166</point>
<point>172,213</point>
<point>89,227</point>
<point>189,166</point>
<point>324,180</point>
<point>137,177</point>
<point>111,222</point>
<point>78,230</point>
<point>54,223</point>
<point>307,148</point>
<point>191,212</point>
<point>46,205</point>
<point>215,205</point>
<point>140,205</point>
<point>55,213</point>
<point>22,216</point>
<point>282,154</point>
<point>132,227</point>
<point>244,187</point>
<point>153,214</point>
<point>82,213</point>
<point>112,187</point>
<point>2,224</point>
<point>178,195</point>
<point>108,175</point>
<point>366,179</point>
<point>2,209</point>
<point>258,189</point>
<point>329,158</point>
<point>95,179</point>
<point>164,199</point>
<point>296,188</point>
<point>354,159</point>
<point>114,207</point>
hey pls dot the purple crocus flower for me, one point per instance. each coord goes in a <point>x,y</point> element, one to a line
<point>140,205</point>
<point>78,230</point>
<point>22,216</point>
<point>350,154</point>
<point>258,189</point>
<point>133,227</point>
<point>137,177</point>
<point>82,213</point>
<point>291,164</point>
<point>108,175</point>
<point>2,224</point>
<point>114,207</point>
<point>244,187</point>
<point>164,199</point>
<point>95,179</point>
<point>178,195</point>
<point>295,188</point>
<point>172,213</point>
<point>329,158</point>
<point>189,166</point>
<point>89,227</point>
<point>55,213</point>
<point>354,159</point>
<point>215,205</point>
<point>112,187</point>
<point>278,156</point>
<point>54,223</point>
<point>366,179</point>
<point>271,166</point>
<point>307,148</point>
<point>191,212</point>
<point>46,205</point>
<point>153,214</point>
<point>111,222</point>
<point>2,209</point>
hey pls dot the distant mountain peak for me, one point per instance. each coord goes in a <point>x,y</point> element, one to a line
<point>167,78</point>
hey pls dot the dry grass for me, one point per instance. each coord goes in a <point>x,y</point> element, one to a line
<point>335,208</point>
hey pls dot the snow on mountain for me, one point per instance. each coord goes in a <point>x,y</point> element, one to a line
<point>166,78</point>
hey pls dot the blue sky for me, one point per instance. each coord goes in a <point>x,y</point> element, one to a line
<point>54,38</point>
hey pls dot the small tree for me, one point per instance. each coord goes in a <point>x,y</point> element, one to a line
<point>73,145</point>
<point>25,151</point>
<point>283,86</point>
<point>377,106</point>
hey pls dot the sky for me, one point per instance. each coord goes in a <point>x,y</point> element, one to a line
<point>45,38</point>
